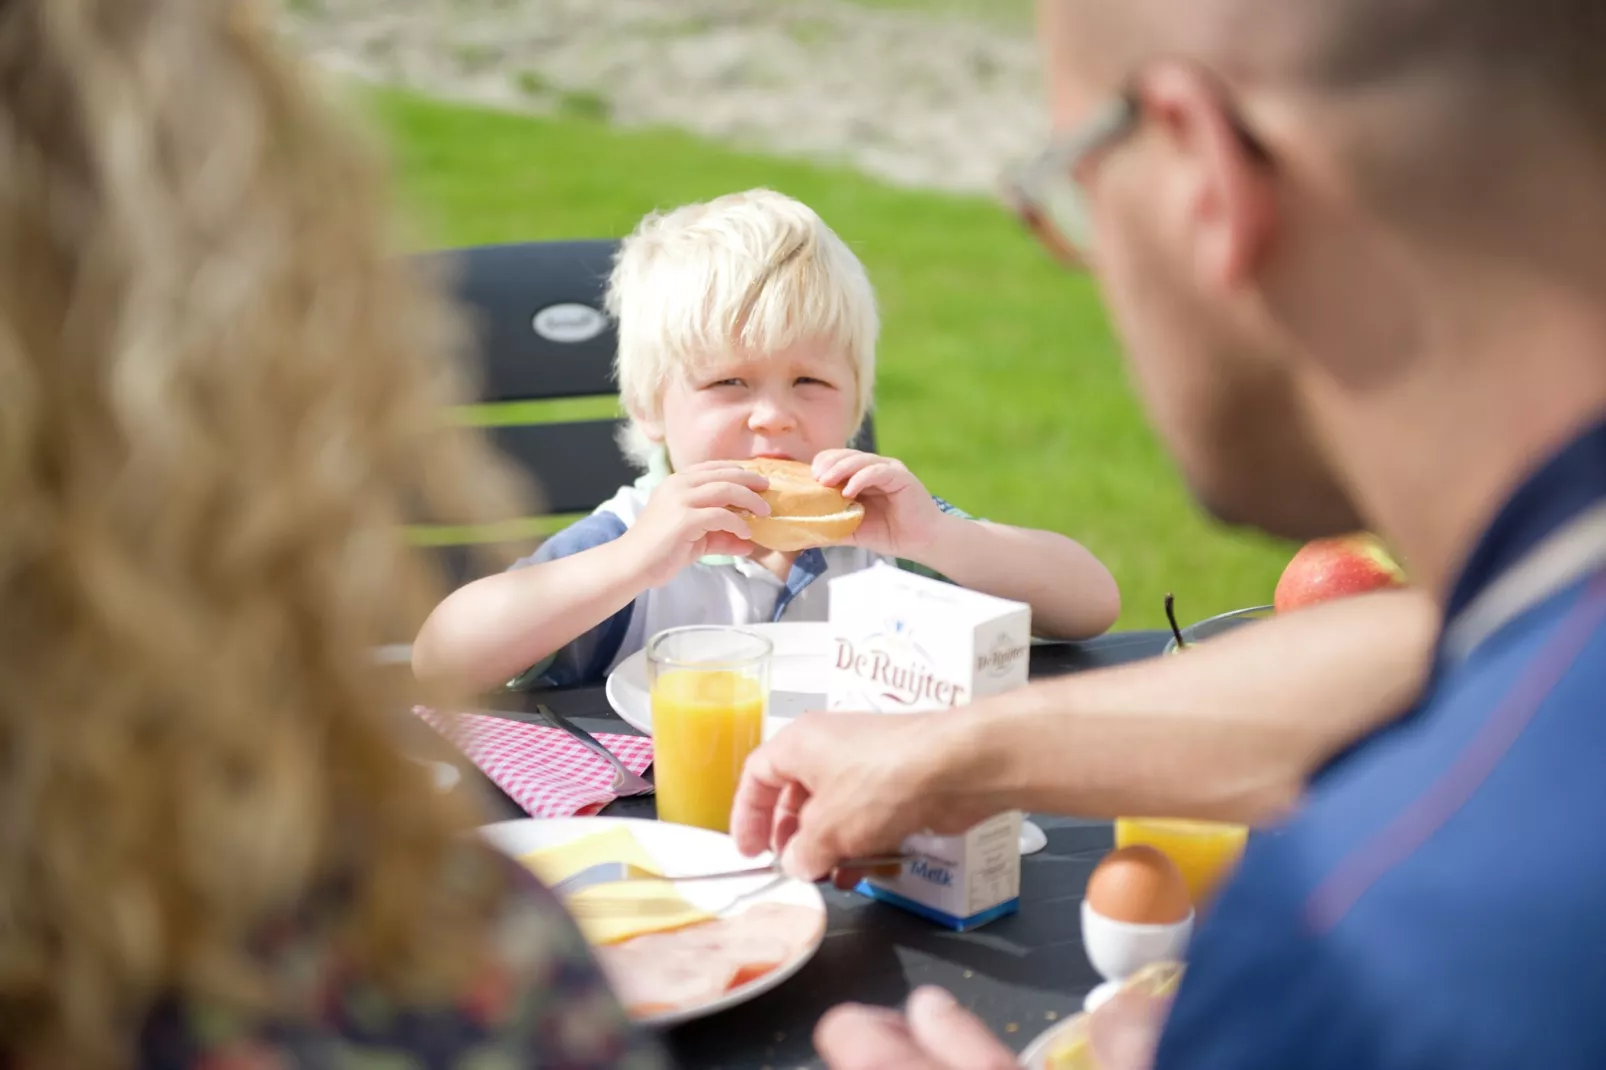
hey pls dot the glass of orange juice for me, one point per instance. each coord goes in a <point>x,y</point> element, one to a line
<point>710,690</point>
<point>1205,851</point>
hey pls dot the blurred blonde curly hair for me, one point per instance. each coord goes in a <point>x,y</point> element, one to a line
<point>222,396</point>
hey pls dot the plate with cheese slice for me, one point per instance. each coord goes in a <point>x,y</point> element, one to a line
<point>673,952</point>
<point>1124,1026</point>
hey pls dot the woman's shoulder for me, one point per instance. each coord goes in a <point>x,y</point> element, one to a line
<point>539,999</point>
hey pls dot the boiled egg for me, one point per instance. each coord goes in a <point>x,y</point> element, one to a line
<point>1139,885</point>
<point>1136,912</point>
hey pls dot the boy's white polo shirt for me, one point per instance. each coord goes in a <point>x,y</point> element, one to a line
<point>714,590</point>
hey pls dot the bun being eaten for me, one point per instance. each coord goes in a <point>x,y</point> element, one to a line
<point>803,513</point>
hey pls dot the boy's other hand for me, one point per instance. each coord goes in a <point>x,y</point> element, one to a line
<point>691,514</point>
<point>900,517</point>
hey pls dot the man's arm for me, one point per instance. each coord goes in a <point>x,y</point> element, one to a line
<point>1228,730</point>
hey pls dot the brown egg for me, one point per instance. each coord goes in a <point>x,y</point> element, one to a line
<point>1139,885</point>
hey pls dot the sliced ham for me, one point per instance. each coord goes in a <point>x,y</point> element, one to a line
<point>669,971</point>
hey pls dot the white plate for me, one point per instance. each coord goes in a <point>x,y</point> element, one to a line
<point>798,668</point>
<point>678,850</point>
<point>1036,1053</point>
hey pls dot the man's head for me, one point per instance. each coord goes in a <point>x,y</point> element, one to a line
<point>746,328</point>
<point>1314,222</point>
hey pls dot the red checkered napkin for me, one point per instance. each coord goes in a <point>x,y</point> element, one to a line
<point>544,770</point>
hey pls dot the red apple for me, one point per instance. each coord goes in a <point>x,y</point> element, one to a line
<point>1336,567</point>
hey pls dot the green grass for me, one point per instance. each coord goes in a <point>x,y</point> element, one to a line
<point>1011,13</point>
<point>999,385</point>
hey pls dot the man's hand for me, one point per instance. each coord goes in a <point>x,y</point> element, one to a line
<point>836,785</point>
<point>936,1033</point>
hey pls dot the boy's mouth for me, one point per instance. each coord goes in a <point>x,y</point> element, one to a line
<point>774,455</point>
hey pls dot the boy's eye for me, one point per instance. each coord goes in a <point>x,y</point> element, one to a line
<point>727,382</point>
<point>811,381</point>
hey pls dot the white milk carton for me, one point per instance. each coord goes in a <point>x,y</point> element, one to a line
<point>902,643</point>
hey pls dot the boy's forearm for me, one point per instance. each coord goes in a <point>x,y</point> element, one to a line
<point>1072,594</point>
<point>489,631</point>
<point>1230,730</point>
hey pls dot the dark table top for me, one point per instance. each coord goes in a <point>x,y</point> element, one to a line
<point>1020,973</point>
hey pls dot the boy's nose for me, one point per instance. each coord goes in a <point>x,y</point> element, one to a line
<point>769,415</point>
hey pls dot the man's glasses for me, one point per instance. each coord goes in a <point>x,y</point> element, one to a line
<point>1047,193</point>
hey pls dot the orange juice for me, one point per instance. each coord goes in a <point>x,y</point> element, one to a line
<point>1203,850</point>
<point>705,722</point>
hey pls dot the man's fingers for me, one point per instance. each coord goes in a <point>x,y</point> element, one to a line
<point>1125,1031</point>
<point>788,815</point>
<point>936,1034</point>
<point>772,791</point>
<point>807,855</point>
<point>757,795</point>
<point>854,1037</point>
<point>941,1026</point>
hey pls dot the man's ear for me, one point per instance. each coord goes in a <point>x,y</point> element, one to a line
<point>1225,181</point>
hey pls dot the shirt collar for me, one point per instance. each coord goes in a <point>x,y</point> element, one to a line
<point>1569,482</point>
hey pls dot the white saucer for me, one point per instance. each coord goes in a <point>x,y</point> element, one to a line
<point>1100,996</point>
<point>798,668</point>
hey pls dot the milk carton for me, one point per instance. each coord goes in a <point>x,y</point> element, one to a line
<point>902,643</point>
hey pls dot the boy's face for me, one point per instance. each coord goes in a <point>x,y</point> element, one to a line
<point>792,403</point>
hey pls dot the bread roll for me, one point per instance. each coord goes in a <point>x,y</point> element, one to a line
<point>803,513</point>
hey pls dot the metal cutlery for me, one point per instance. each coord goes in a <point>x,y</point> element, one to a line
<point>623,872</point>
<point>624,781</point>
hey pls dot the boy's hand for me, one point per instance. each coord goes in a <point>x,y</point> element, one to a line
<point>900,517</point>
<point>689,515</point>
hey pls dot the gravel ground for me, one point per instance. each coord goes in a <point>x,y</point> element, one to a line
<point>917,100</point>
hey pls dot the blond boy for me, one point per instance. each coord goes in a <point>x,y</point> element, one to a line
<point>746,329</point>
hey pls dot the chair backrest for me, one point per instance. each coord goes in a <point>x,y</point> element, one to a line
<point>541,335</point>
<point>536,308</point>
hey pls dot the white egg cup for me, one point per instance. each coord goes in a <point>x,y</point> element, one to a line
<point>1118,949</point>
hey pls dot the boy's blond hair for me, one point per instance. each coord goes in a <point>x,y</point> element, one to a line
<point>750,272</point>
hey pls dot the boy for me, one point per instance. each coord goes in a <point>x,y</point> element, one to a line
<point>746,329</point>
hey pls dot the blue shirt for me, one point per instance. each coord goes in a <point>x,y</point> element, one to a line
<point>1440,899</point>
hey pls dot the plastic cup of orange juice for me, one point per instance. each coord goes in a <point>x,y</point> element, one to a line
<point>1205,851</point>
<point>710,691</point>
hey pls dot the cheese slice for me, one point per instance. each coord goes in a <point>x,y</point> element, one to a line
<point>1072,1050</point>
<point>609,913</point>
